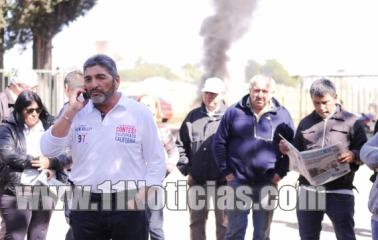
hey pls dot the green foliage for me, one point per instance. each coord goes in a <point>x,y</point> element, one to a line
<point>272,68</point>
<point>251,69</point>
<point>3,10</point>
<point>44,18</point>
<point>143,70</point>
<point>192,73</point>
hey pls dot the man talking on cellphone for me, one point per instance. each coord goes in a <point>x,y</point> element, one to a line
<point>111,138</point>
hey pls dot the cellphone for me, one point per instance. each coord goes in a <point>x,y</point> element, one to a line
<point>86,95</point>
<point>83,96</point>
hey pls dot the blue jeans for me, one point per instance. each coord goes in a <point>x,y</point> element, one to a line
<point>340,210</point>
<point>374,229</point>
<point>238,218</point>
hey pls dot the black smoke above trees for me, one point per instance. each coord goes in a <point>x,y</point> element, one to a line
<point>230,21</point>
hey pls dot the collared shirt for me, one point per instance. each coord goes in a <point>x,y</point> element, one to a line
<point>122,146</point>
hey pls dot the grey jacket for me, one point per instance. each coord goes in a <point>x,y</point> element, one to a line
<point>195,145</point>
<point>369,155</point>
<point>342,127</point>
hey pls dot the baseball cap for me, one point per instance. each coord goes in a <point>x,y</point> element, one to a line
<point>27,77</point>
<point>213,85</point>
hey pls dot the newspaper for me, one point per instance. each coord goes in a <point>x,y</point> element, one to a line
<point>318,166</point>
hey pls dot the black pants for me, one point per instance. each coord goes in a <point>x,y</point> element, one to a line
<point>20,223</point>
<point>108,224</point>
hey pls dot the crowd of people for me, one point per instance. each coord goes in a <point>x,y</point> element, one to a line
<point>101,136</point>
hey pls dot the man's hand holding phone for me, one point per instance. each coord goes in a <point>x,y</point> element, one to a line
<point>62,126</point>
<point>78,99</point>
<point>83,96</point>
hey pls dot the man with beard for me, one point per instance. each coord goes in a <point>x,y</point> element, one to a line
<point>112,138</point>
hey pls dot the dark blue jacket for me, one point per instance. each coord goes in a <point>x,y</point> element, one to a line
<point>249,149</point>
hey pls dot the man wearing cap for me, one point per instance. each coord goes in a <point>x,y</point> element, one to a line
<point>196,158</point>
<point>21,81</point>
<point>246,150</point>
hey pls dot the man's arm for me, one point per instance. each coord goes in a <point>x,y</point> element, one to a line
<point>285,129</point>
<point>358,139</point>
<point>55,140</point>
<point>183,143</point>
<point>369,152</point>
<point>62,125</point>
<point>220,146</point>
<point>153,152</point>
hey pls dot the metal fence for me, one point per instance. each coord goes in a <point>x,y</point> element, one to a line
<point>50,88</point>
<point>355,92</point>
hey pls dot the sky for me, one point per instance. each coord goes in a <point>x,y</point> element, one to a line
<point>307,36</point>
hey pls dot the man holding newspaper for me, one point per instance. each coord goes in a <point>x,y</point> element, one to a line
<point>328,131</point>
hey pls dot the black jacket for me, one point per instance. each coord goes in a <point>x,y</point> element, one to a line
<point>13,157</point>
<point>343,127</point>
<point>195,145</point>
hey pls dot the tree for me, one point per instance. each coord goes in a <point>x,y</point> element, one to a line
<point>275,69</point>
<point>251,69</point>
<point>3,18</point>
<point>143,70</point>
<point>192,73</point>
<point>271,68</point>
<point>39,21</point>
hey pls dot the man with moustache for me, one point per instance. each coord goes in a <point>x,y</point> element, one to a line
<point>112,138</point>
<point>327,125</point>
<point>246,150</point>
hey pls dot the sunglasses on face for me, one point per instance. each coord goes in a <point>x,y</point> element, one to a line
<point>31,110</point>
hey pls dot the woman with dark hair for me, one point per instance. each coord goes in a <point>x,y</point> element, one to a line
<point>20,152</point>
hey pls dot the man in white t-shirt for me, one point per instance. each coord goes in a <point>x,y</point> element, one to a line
<point>112,139</point>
